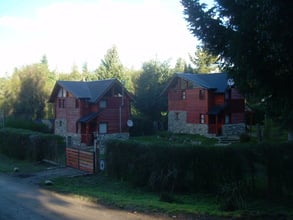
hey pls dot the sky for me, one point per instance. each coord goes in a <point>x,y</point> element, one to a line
<point>75,32</point>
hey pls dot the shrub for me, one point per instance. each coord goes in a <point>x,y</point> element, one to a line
<point>29,145</point>
<point>27,124</point>
<point>231,196</point>
<point>244,137</point>
<point>177,168</point>
<point>172,168</point>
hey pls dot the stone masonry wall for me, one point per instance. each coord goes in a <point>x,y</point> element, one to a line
<point>177,124</point>
<point>233,129</point>
<point>60,126</point>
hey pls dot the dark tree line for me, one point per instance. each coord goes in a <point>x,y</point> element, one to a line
<point>25,93</point>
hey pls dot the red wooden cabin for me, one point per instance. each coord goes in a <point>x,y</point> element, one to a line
<point>84,109</point>
<point>204,104</point>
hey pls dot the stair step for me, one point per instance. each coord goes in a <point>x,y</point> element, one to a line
<point>226,140</point>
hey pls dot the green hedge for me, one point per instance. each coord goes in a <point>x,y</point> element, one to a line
<point>29,145</point>
<point>259,168</point>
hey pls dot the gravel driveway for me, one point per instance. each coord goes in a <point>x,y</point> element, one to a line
<point>49,174</point>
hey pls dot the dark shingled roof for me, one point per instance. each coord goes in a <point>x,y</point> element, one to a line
<point>213,81</point>
<point>91,90</point>
<point>88,117</point>
<point>216,81</point>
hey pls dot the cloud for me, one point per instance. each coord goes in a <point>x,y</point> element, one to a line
<point>82,32</point>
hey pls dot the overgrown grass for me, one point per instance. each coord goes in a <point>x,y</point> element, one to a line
<point>119,194</point>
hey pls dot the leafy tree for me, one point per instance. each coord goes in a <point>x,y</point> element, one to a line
<point>110,66</point>
<point>254,41</point>
<point>148,88</point>
<point>3,82</point>
<point>28,92</point>
<point>25,93</point>
<point>204,61</point>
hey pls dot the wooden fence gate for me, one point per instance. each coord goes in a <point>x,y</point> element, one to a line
<point>81,159</point>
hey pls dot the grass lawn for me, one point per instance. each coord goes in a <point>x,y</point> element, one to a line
<point>102,189</point>
<point>178,139</point>
<point>7,165</point>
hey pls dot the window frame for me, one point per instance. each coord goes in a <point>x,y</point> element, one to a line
<point>104,130</point>
<point>183,95</point>
<point>103,103</point>
<point>201,94</point>
<point>202,118</point>
<point>76,103</point>
<point>177,116</point>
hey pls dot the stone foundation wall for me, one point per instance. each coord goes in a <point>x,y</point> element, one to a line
<point>60,127</point>
<point>177,124</point>
<point>120,136</point>
<point>233,129</point>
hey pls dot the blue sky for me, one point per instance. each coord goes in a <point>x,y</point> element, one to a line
<point>77,31</point>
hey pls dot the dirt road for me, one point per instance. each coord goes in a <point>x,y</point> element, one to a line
<point>20,200</point>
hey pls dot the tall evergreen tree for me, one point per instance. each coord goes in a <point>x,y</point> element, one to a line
<point>111,66</point>
<point>204,61</point>
<point>254,39</point>
<point>180,65</point>
<point>149,86</point>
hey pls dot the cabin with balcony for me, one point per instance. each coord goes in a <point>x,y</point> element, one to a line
<point>206,104</point>
<point>85,110</point>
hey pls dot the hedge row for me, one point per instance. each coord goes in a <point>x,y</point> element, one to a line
<point>29,145</point>
<point>262,167</point>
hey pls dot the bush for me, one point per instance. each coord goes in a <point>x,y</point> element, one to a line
<point>244,137</point>
<point>29,145</point>
<point>27,124</point>
<point>231,196</point>
<point>173,168</point>
<point>166,168</point>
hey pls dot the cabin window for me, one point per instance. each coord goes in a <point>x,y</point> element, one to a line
<point>61,103</point>
<point>183,95</point>
<point>62,93</point>
<point>202,118</point>
<point>103,104</point>
<point>177,116</point>
<point>184,84</point>
<point>201,94</point>
<point>103,127</point>
<point>60,123</point>
<point>76,103</point>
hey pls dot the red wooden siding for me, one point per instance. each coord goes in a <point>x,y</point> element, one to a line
<point>193,104</point>
<point>219,99</point>
<point>109,115</point>
<point>235,94</point>
<point>196,105</point>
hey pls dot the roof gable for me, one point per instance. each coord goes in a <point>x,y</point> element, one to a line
<point>215,81</point>
<point>91,90</point>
